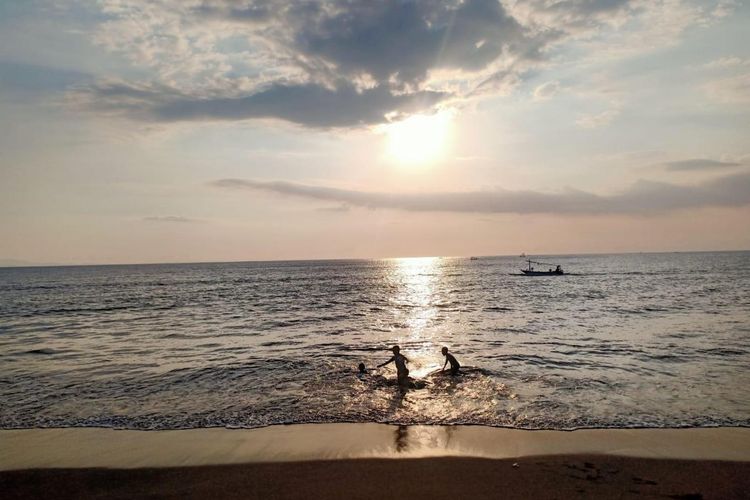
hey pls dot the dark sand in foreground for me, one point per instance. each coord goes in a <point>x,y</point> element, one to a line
<point>357,461</point>
<point>571,476</point>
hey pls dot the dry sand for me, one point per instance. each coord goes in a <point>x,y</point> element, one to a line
<point>375,461</point>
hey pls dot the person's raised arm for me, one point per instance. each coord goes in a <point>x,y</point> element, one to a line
<point>389,361</point>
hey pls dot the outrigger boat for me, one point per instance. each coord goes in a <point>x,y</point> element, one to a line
<point>530,271</point>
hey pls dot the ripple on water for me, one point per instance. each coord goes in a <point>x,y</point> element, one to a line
<point>635,340</point>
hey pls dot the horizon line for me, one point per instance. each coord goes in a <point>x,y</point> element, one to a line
<point>332,259</point>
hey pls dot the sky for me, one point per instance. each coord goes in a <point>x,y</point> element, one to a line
<point>135,131</point>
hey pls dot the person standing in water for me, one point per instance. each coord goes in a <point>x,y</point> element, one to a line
<point>455,365</point>
<point>401,369</point>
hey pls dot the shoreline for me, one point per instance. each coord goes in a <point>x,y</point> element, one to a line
<point>344,461</point>
<point>82,447</point>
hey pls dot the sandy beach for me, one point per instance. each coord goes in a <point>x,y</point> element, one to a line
<point>373,460</point>
<point>574,476</point>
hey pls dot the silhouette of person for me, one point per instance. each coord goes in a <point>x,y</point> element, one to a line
<point>362,373</point>
<point>449,358</point>
<point>401,370</point>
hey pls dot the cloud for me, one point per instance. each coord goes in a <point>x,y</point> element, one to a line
<point>732,90</point>
<point>238,60</point>
<point>698,164</point>
<point>724,8</point>
<point>726,62</point>
<point>328,63</point>
<point>598,119</point>
<point>608,29</point>
<point>575,17</point>
<point>643,197</point>
<point>309,105</point>
<point>169,218</point>
<point>402,41</point>
<point>546,90</point>
<point>337,209</point>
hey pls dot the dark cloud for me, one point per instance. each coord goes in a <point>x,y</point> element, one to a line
<point>698,164</point>
<point>394,42</point>
<point>308,105</point>
<point>402,40</point>
<point>643,197</point>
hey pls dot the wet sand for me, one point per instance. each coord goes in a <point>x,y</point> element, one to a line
<point>434,478</point>
<point>375,461</point>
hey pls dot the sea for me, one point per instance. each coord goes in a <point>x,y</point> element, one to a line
<point>632,340</point>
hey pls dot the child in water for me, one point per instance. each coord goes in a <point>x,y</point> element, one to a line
<point>401,370</point>
<point>453,361</point>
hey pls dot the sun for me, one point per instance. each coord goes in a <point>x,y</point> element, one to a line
<point>419,139</point>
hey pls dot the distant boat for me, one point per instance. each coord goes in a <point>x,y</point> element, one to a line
<point>530,271</point>
<point>473,258</point>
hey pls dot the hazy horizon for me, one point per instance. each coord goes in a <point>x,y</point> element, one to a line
<point>222,130</point>
<point>9,263</point>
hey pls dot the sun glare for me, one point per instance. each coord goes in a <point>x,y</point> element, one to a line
<point>419,139</point>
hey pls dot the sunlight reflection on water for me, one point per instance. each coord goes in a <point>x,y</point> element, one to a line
<point>414,303</point>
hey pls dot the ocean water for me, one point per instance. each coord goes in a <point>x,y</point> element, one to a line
<point>637,340</point>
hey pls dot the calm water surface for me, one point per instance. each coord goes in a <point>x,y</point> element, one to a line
<point>658,340</point>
